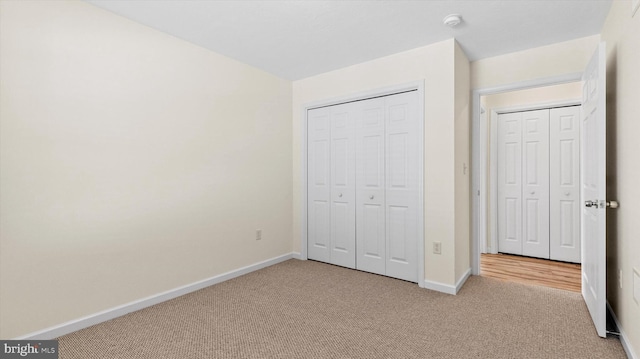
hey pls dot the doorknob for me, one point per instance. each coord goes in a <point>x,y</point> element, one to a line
<point>533,192</point>
<point>591,204</point>
<point>612,204</point>
<point>340,195</point>
<point>371,197</point>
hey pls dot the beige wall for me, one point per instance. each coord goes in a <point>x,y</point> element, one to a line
<point>622,36</point>
<point>541,62</point>
<point>132,163</point>
<point>435,64</point>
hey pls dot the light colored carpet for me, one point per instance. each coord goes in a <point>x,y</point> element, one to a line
<point>305,309</point>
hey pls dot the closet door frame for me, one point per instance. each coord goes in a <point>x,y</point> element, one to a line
<point>385,91</point>
<point>493,161</point>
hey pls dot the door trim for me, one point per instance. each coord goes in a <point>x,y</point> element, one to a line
<point>482,225</point>
<point>479,155</point>
<point>493,160</point>
<point>385,91</point>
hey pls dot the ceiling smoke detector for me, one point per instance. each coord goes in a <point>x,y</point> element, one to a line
<point>452,20</point>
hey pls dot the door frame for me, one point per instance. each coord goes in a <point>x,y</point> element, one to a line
<point>479,163</point>
<point>493,161</point>
<point>379,92</point>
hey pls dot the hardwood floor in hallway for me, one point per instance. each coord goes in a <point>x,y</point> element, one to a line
<point>534,271</point>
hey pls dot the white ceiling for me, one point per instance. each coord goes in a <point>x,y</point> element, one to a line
<point>298,39</point>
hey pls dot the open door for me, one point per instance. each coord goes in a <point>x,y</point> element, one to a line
<point>593,179</point>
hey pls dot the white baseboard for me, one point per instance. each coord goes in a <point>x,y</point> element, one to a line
<point>440,287</point>
<point>296,255</point>
<point>448,288</point>
<point>463,280</point>
<point>103,316</point>
<point>631,354</point>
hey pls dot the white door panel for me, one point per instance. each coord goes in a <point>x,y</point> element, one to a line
<point>398,236</point>
<point>593,180</point>
<point>535,184</point>
<point>318,226</point>
<point>401,186</point>
<point>510,183</point>
<point>564,174</point>
<point>318,185</point>
<point>372,238</point>
<point>397,149</point>
<point>343,228</point>
<point>370,185</point>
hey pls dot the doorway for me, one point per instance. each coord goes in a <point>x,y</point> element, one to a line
<point>502,256</point>
<point>592,178</point>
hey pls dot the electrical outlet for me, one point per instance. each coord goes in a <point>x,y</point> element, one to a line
<point>636,285</point>
<point>437,247</point>
<point>258,234</point>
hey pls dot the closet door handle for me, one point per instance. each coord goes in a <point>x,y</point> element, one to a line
<point>340,195</point>
<point>371,197</point>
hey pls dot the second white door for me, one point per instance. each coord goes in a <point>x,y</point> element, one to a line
<point>538,175</point>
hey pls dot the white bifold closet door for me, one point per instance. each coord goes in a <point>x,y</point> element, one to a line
<point>331,187</point>
<point>370,187</point>
<point>535,183</point>
<point>387,186</point>
<point>510,183</point>
<point>318,184</point>
<point>538,179</point>
<point>401,185</point>
<point>343,186</point>
<point>565,184</point>
<point>363,185</point>
<point>523,178</point>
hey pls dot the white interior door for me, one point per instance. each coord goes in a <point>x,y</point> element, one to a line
<point>401,182</point>
<point>535,183</point>
<point>593,178</point>
<point>318,184</point>
<point>370,186</point>
<point>510,183</point>
<point>564,150</point>
<point>343,216</point>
